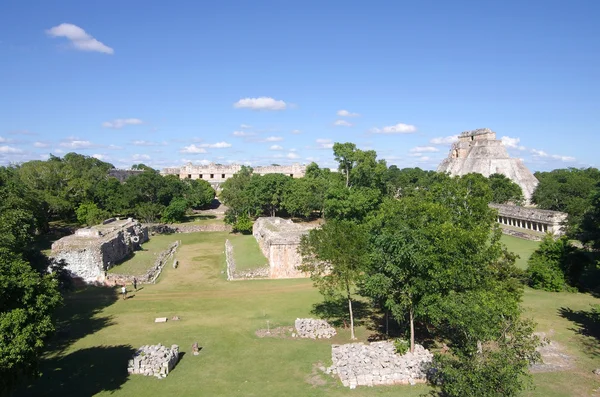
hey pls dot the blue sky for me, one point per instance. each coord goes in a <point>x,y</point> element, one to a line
<point>267,82</point>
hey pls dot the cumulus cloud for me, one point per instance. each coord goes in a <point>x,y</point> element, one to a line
<point>343,123</point>
<point>260,103</point>
<point>193,149</point>
<point>3,140</point>
<point>323,143</point>
<point>120,123</point>
<point>424,149</point>
<point>138,157</point>
<point>114,147</point>
<point>296,132</point>
<point>274,139</point>
<point>399,128</point>
<point>75,143</point>
<point>79,39</point>
<point>40,144</point>
<point>242,133</point>
<point>217,145</point>
<point>345,113</point>
<point>276,147</point>
<point>512,143</point>
<point>9,150</point>
<point>100,156</point>
<point>444,140</point>
<point>146,143</point>
<point>542,154</point>
<point>292,155</point>
<point>245,126</point>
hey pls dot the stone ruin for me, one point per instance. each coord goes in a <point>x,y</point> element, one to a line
<point>314,329</point>
<point>479,151</point>
<point>154,360</point>
<point>358,364</point>
<point>279,239</point>
<point>90,252</point>
<point>531,219</point>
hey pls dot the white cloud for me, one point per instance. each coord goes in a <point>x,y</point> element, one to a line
<point>75,143</point>
<point>137,157</point>
<point>276,147</point>
<point>114,147</point>
<point>10,149</point>
<point>512,143</point>
<point>40,144</point>
<point>345,113</point>
<point>145,143</point>
<point>79,38</point>
<point>99,156</point>
<point>274,139</point>
<point>444,140</point>
<point>218,145</point>
<point>292,155</point>
<point>193,149</point>
<point>3,140</point>
<point>424,149</point>
<point>296,132</point>
<point>399,128</point>
<point>261,103</point>
<point>324,143</point>
<point>541,153</point>
<point>242,133</point>
<point>245,126</point>
<point>343,123</point>
<point>197,162</point>
<point>22,132</point>
<point>120,123</point>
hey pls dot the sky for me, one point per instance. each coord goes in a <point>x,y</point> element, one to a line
<point>278,82</point>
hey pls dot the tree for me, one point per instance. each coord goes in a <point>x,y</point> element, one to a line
<point>198,193</point>
<point>175,211</point>
<point>590,226</point>
<point>89,214</point>
<point>27,302</point>
<point>267,192</point>
<point>504,190</point>
<point>148,212</point>
<point>555,265</point>
<point>335,257</point>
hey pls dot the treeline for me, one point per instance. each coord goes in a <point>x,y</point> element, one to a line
<point>357,189</point>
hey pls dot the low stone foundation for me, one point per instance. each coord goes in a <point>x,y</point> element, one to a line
<point>150,276</point>
<point>234,274</point>
<point>358,364</point>
<point>154,360</point>
<point>314,329</point>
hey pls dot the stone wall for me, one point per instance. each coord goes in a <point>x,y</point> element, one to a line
<point>532,219</point>
<point>154,360</point>
<point>314,329</point>
<point>279,240</point>
<point>150,276</point>
<point>91,251</point>
<point>358,364</point>
<point>219,173</point>
<point>234,274</point>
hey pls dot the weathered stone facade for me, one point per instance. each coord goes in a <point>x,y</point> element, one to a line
<point>216,174</point>
<point>154,360</point>
<point>378,363</point>
<point>544,221</point>
<point>279,239</point>
<point>479,151</point>
<point>91,251</point>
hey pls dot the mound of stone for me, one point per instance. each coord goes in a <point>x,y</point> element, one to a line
<point>154,360</point>
<point>314,329</point>
<point>378,363</point>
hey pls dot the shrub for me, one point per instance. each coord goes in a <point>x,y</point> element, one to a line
<point>546,275</point>
<point>89,214</point>
<point>243,224</point>
<point>175,212</point>
<point>401,346</point>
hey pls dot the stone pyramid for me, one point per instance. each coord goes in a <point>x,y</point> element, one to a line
<point>480,151</point>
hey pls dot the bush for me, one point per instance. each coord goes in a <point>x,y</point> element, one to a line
<point>555,265</point>
<point>243,224</point>
<point>89,214</point>
<point>546,275</point>
<point>176,211</point>
<point>401,346</point>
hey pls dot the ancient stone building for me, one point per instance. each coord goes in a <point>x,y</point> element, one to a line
<point>91,251</point>
<point>279,239</point>
<point>544,221</point>
<point>216,174</point>
<point>479,151</point>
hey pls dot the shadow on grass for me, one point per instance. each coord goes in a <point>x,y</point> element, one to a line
<point>80,316</point>
<point>84,372</point>
<point>588,326</point>
<point>335,311</point>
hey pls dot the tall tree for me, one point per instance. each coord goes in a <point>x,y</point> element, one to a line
<point>335,256</point>
<point>504,190</point>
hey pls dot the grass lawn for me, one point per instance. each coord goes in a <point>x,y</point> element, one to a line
<point>90,357</point>
<point>142,260</point>
<point>521,247</point>
<point>246,252</point>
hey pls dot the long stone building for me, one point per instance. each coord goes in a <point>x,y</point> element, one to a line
<point>479,151</point>
<point>216,174</point>
<point>534,219</point>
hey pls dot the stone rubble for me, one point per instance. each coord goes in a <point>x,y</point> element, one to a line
<point>358,364</point>
<point>312,328</point>
<point>154,360</point>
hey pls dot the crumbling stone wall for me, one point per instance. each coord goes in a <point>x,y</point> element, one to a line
<point>279,240</point>
<point>378,363</point>
<point>150,276</point>
<point>234,274</point>
<point>91,251</point>
<point>313,328</point>
<point>154,360</point>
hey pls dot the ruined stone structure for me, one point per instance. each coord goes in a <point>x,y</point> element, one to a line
<point>123,175</point>
<point>313,328</point>
<point>91,251</point>
<point>378,363</point>
<point>154,360</point>
<point>279,240</point>
<point>544,221</point>
<point>479,151</point>
<point>216,174</point>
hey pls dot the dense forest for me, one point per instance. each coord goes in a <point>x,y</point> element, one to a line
<point>422,246</point>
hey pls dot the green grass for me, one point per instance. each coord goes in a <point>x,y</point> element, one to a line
<point>246,252</point>
<point>523,248</point>
<point>223,317</point>
<point>142,260</point>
